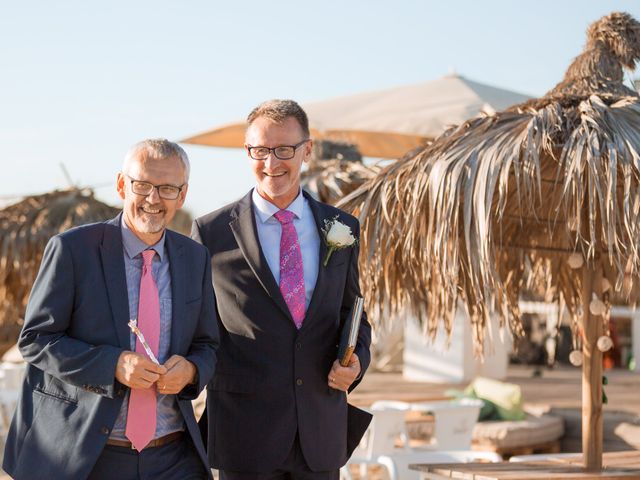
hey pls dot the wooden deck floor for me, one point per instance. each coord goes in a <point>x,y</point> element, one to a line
<point>558,388</point>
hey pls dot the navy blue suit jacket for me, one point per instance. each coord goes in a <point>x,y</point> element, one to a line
<point>271,379</point>
<point>75,329</point>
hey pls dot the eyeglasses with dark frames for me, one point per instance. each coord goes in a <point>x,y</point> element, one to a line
<point>167,192</point>
<point>283,152</point>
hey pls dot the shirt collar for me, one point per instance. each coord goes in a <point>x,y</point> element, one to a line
<point>133,246</point>
<point>266,210</point>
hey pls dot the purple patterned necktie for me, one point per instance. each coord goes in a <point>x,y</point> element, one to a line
<point>291,272</point>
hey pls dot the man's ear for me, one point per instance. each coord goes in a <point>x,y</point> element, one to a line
<point>182,196</point>
<point>120,185</point>
<point>308,150</point>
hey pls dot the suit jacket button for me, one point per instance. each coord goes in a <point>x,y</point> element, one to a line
<point>299,382</point>
<point>298,345</point>
<point>104,431</point>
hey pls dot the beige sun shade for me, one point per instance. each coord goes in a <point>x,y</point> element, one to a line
<point>387,123</point>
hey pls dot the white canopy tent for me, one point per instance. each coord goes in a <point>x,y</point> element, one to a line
<point>387,123</point>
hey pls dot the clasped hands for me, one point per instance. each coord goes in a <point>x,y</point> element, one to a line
<point>137,371</point>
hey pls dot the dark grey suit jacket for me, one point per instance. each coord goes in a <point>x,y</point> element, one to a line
<point>75,329</point>
<point>271,379</point>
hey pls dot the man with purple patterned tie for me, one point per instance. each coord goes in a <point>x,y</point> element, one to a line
<point>277,404</point>
<point>97,403</point>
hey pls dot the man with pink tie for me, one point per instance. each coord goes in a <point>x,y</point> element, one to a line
<point>97,402</point>
<point>277,404</point>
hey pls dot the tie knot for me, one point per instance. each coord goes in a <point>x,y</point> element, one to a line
<point>284,216</point>
<point>147,257</point>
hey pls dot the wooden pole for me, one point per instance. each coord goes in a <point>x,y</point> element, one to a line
<point>591,372</point>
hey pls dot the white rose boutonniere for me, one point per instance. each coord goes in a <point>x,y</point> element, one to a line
<point>337,236</point>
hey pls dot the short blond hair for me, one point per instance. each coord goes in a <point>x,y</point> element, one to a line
<point>278,111</point>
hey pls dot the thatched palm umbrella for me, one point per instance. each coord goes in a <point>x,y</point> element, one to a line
<point>335,170</point>
<point>552,185</point>
<point>25,228</point>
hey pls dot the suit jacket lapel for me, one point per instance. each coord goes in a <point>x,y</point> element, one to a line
<point>115,279</point>
<point>178,293</point>
<point>246,234</point>
<point>319,215</point>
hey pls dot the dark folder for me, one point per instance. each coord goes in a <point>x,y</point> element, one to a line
<point>349,335</point>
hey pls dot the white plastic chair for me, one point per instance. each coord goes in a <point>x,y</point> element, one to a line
<point>397,464</point>
<point>454,422</point>
<point>8,403</point>
<point>403,472</point>
<point>10,384</point>
<point>11,375</point>
<point>388,429</point>
<point>390,405</point>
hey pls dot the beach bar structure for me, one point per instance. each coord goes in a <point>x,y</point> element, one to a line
<point>546,192</point>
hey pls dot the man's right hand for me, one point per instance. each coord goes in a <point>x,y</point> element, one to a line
<point>137,371</point>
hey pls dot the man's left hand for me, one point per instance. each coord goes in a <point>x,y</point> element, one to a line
<point>341,378</point>
<point>180,372</point>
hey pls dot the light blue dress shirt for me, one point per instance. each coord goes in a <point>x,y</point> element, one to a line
<point>169,417</point>
<point>270,231</point>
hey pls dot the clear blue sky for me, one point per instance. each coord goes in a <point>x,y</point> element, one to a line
<point>81,81</point>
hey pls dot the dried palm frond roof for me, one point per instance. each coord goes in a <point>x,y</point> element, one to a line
<point>470,216</point>
<point>613,43</point>
<point>25,228</point>
<point>335,170</point>
<point>332,180</point>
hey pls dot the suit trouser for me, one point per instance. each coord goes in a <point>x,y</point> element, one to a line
<point>177,460</point>
<point>294,468</point>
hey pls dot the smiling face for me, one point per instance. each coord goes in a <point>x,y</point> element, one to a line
<point>148,216</point>
<point>278,181</point>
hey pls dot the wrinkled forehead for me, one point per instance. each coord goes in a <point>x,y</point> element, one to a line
<point>265,130</point>
<point>146,166</point>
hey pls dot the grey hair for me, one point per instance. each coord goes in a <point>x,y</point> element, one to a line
<point>157,148</point>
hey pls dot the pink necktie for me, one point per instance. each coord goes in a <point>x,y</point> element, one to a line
<point>291,272</point>
<point>141,416</point>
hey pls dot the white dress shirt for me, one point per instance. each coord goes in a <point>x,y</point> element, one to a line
<point>270,231</point>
